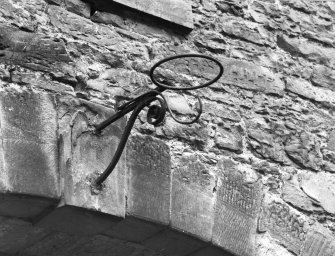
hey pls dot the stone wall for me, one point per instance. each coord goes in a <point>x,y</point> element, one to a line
<point>256,174</point>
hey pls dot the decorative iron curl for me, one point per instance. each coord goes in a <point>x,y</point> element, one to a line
<point>155,113</point>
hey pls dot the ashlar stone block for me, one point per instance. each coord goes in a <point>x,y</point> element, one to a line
<point>172,243</point>
<point>29,152</point>
<point>85,155</point>
<point>134,230</point>
<point>238,200</point>
<point>284,223</point>
<point>149,170</point>
<point>192,200</point>
<point>77,221</point>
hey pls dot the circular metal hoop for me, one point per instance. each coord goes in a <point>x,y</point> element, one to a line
<point>152,70</point>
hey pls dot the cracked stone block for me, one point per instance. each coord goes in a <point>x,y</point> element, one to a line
<point>85,155</point>
<point>283,223</point>
<point>236,210</point>
<point>134,230</point>
<point>192,198</point>
<point>77,221</point>
<point>149,167</point>
<point>29,152</point>
<point>172,243</point>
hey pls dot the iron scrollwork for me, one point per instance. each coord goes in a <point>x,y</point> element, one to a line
<point>155,113</point>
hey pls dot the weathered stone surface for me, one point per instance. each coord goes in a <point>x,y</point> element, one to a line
<point>295,18</point>
<point>149,170</point>
<point>76,25</point>
<point>266,245</point>
<point>319,241</point>
<point>108,18</point>
<point>224,112</point>
<point>229,139</point>
<point>38,80</point>
<point>35,52</point>
<point>79,7</point>
<point>283,223</point>
<point>331,141</point>
<point>192,200</point>
<point>266,140</point>
<point>179,104</point>
<point>173,243</point>
<point>23,18</point>
<point>236,209</point>
<point>308,50</point>
<point>307,90</point>
<point>320,187</point>
<point>133,229</point>
<point>77,221</point>
<point>195,135</point>
<point>212,41</point>
<point>249,31</point>
<point>293,195</point>
<point>29,143</point>
<point>280,132</point>
<point>85,29</point>
<point>86,155</point>
<point>304,149</point>
<point>55,2</point>
<point>251,77</point>
<point>324,77</point>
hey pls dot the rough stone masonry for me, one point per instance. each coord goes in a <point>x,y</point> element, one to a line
<point>254,177</point>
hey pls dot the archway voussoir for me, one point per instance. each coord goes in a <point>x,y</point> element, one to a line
<point>84,155</point>
<point>78,221</point>
<point>211,251</point>
<point>29,177</point>
<point>174,243</point>
<point>149,178</point>
<point>25,206</point>
<point>192,198</point>
<point>134,229</point>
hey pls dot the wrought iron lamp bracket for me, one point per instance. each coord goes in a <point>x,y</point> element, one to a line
<point>155,114</point>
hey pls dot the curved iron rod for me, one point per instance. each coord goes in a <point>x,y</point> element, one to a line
<point>137,104</point>
<point>123,140</point>
<point>124,109</point>
<point>188,55</point>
